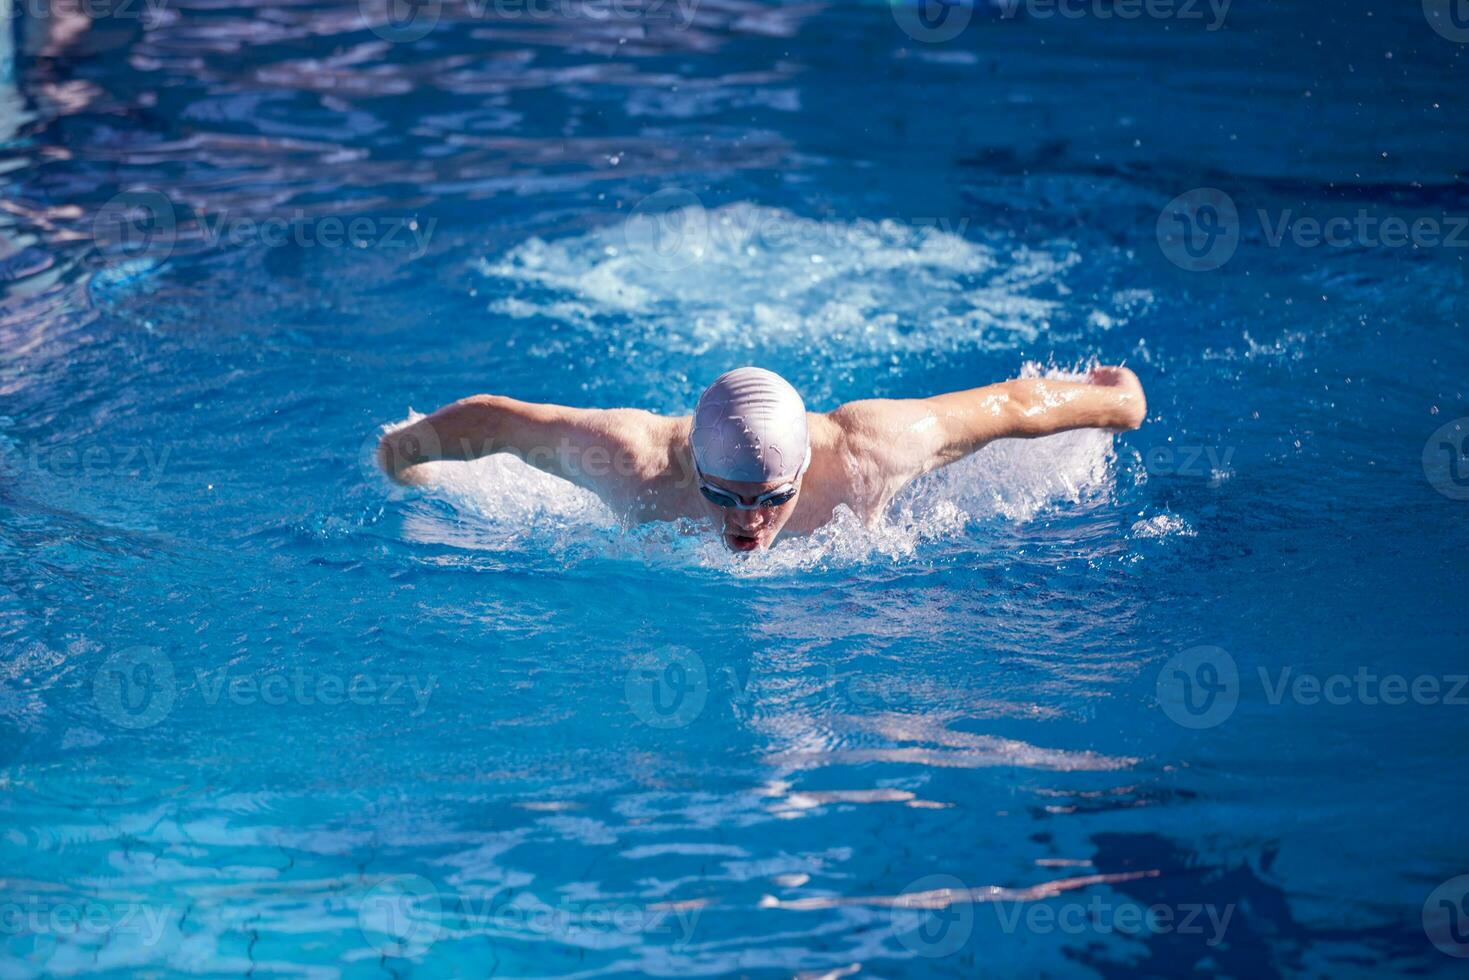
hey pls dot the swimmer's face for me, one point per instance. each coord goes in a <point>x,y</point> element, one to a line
<point>750,530</point>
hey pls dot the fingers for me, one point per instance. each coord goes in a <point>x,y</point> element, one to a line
<point>1111,375</point>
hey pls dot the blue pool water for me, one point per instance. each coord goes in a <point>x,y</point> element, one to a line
<point>1180,701</point>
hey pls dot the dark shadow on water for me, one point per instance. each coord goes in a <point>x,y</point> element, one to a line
<point>1262,937</point>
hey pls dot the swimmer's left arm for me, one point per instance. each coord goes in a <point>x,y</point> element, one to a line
<point>1029,408</point>
<point>912,436</point>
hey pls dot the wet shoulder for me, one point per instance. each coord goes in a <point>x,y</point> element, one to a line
<point>836,436</point>
<point>667,469</point>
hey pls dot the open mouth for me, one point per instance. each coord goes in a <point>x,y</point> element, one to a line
<point>742,542</point>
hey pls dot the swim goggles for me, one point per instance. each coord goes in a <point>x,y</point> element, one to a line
<point>779,497</point>
<point>719,497</point>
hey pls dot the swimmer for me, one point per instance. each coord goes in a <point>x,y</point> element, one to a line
<point>751,458</point>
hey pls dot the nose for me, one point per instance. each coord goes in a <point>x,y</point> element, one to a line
<point>745,520</point>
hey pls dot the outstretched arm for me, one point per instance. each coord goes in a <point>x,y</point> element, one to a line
<point>604,450</point>
<point>912,436</point>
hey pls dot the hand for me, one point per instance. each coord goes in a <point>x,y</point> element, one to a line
<point>1113,376</point>
<point>401,452</point>
<point>1132,404</point>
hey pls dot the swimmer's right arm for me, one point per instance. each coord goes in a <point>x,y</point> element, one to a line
<point>593,448</point>
<point>464,430</point>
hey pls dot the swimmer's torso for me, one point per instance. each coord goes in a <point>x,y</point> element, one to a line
<point>837,477</point>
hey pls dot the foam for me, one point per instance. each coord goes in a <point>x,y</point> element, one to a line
<point>794,281</point>
<point>1163,526</point>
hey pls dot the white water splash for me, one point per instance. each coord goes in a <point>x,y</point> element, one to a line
<point>748,270</point>
<point>1162,526</point>
<point>1015,478</point>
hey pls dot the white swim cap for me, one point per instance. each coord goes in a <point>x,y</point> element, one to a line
<point>750,425</point>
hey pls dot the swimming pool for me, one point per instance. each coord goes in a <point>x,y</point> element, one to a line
<point>1186,699</point>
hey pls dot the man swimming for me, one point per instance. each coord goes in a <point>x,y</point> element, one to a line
<point>751,457</point>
